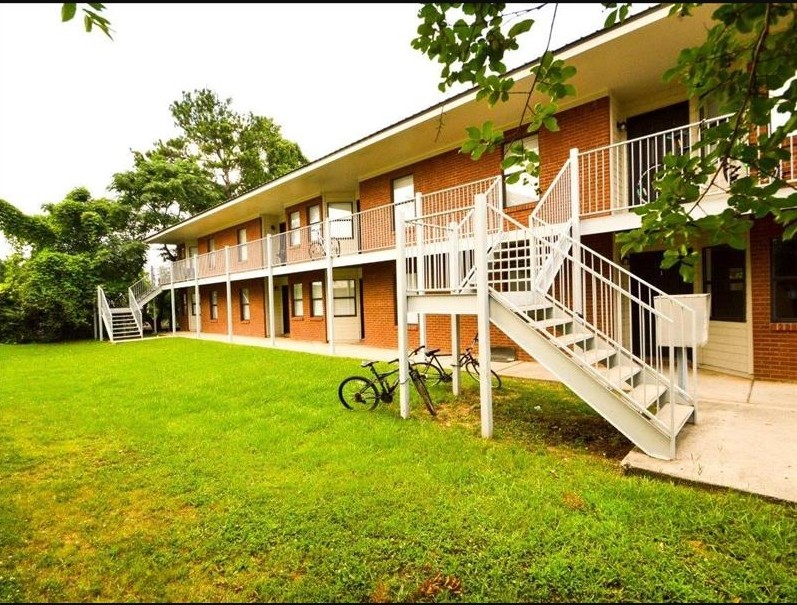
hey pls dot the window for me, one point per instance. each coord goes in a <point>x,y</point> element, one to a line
<point>344,298</point>
<point>779,118</point>
<point>403,199</point>
<point>243,249</point>
<point>316,299</point>
<point>194,302</point>
<point>724,279</point>
<point>784,280</point>
<point>526,188</point>
<point>314,220</point>
<point>214,304</point>
<point>212,252</point>
<point>340,225</point>
<point>245,316</point>
<point>295,222</point>
<point>298,303</point>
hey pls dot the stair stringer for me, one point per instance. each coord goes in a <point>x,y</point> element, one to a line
<point>649,437</point>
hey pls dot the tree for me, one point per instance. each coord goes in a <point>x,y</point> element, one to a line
<point>49,284</point>
<point>91,16</point>
<point>746,66</point>
<point>218,155</point>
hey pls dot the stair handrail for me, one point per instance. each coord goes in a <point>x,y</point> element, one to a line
<point>135,309</point>
<point>544,205</point>
<point>105,312</point>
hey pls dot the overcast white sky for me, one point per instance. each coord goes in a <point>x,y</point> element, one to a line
<point>73,104</point>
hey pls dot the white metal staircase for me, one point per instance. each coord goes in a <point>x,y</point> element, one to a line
<point>126,322</point>
<point>583,317</point>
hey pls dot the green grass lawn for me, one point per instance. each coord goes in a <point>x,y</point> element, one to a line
<point>178,470</point>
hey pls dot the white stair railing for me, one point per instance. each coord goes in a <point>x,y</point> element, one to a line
<point>135,309</point>
<point>105,312</point>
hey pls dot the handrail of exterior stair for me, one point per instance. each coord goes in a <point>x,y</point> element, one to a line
<point>105,312</point>
<point>135,308</point>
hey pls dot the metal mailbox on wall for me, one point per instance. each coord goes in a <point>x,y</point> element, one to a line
<point>679,332</point>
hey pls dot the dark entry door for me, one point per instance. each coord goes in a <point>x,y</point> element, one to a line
<point>645,156</point>
<point>286,311</point>
<point>647,266</point>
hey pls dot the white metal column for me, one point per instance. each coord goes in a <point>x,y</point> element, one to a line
<point>229,291</point>
<point>330,293</point>
<point>174,309</point>
<point>483,313</point>
<point>401,306</point>
<point>575,210</point>
<point>270,265</point>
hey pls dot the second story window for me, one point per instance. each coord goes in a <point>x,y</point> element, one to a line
<point>212,252</point>
<point>526,189</point>
<point>340,219</point>
<point>243,249</point>
<point>295,221</point>
<point>403,198</point>
<point>314,220</point>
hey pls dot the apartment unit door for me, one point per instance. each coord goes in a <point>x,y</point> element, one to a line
<point>646,151</point>
<point>647,267</point>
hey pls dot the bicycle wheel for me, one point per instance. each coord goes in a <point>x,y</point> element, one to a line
<point>316,250</point>
<point>429,372</point>
<point>472,368</point>
<point>358,393</point>
<point>420,386</point>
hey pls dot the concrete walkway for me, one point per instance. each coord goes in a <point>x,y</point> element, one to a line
<point>745,436</point>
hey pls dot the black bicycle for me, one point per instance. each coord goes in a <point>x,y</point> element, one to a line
<point>434,372</point>
<point>361,393</point>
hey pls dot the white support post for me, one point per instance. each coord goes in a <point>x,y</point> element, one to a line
<point>330,300</point>
<point>483,313</point>
<point>270,265</point>
<point>174,309</point>
<point>229,291</point>
<point>197,306</point>
<point>575,211</point>
<point>455,345</point>
<point>99,310</point>
<point>401,306</point>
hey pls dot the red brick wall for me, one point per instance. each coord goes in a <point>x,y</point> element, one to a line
<point>308,327</point>
<point>774,344</point>
<point>254,326</point>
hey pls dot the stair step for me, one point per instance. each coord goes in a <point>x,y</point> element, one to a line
<point>619,375</point>
<point>647,394</point>
<point>566,340</point>
<point>553,322</point>
<point>682,414</point>
<point>593,356</point>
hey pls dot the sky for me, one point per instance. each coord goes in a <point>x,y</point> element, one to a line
<point>74,104</point>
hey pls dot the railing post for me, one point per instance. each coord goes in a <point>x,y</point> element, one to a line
<point>483,313</point>
<point>575,211</point>
<point>455,345</point>
<point>197,306</point>
<point>270,265</point>
<point>99,310</point>
<point>229,291</point>
<point>401,306</point>
<point>330,301</point>
<point>174,310</point>
<point>454,280</point>
<point>453,259</point>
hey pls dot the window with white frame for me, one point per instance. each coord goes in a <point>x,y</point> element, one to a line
<point>314,220</point>
<point>784,281</point>
<point>245,310</point>
<point>344,297</point>
<point>779,118</point>
<point>403,198</point>
<point>212,252</point>
<point>243,249</point>
<point>316,299</point>
<point>298,302</point>
<point>295,221</point>
<point>340,219</point>
<point>214,304</point>
<point>527,188</point>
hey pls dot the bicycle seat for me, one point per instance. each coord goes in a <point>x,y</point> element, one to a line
<point>432,352</point>
<point>365,363</point>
